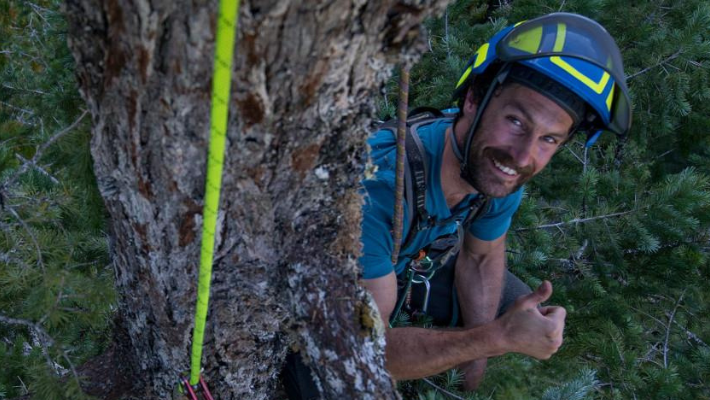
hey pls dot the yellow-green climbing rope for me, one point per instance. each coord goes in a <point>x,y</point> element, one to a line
<point>221,82</point>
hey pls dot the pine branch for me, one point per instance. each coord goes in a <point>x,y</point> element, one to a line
<point>689,333</point>
<point>668,59</point>
<point>29,324</point>
<point>575,155</point>
<point>442,390</point>
<point>29,232</point>
<point>40,151</point>
<point>43,337</point>
<point>45,341</point>
<point>574,221</point>
<point>5,85</point>
<point>24,111</point>
<point>7,258</point>
<point>38,168</point>
<point>668,329</point>
<point>697,240</point>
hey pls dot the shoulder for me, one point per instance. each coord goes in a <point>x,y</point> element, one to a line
<point>507,203</point>
<point>496,221</point>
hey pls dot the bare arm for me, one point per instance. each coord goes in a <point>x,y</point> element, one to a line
<point>417,352</point>
<point>480,268</point>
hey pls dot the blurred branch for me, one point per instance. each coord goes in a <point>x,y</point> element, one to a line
<point>442,390</point>
<point>29,232</point>
<point>575,155</point>
<point>17,108</point>
<point>696,240</point>
<point>45,341</point>
<point>8,259</point>
<point>660,63</point>
<point>40,151</point>
<point>29,324</point>
<point>668,329</point>
<point>574,221</point>
<point>5,85</point>
<point>38,168</point>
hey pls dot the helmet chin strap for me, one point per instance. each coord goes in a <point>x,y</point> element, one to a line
<point>464,158</point>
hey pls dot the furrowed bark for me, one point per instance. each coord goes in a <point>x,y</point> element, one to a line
<point>285,273</point>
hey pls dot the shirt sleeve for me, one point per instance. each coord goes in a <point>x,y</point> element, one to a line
<point>497,220</point>
<point>377,243</point>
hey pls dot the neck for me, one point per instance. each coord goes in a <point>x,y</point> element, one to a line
<point>453,186</point>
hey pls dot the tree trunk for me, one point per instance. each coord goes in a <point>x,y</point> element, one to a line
<point>285,272</point>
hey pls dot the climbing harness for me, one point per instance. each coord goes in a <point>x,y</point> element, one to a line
<point>221,83</point>
<point>425,262</point>
<point>428,261</point>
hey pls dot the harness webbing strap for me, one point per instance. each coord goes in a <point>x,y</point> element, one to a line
<point>417,168</point>
<point>221,84</point>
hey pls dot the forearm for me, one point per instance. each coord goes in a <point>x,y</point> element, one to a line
<point>479,284</point>
<point>414,353</point>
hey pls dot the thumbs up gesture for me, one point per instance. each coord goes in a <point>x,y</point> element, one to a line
<point>532,330</point>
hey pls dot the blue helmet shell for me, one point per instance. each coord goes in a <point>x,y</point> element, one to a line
<point>570,49</point>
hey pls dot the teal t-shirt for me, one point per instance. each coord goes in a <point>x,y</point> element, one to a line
<point>379,204</point>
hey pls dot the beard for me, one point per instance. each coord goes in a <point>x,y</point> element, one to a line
<point>479,171</point>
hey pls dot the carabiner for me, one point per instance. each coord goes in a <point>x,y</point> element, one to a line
<point>425,281</point>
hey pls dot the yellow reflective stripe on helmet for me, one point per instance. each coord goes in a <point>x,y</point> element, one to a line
<point>610,98</point>
<point>464,76</point>
<point>528,41</point>
<point>560,38</point>
<point>597,87</point>
<point>481,55</point>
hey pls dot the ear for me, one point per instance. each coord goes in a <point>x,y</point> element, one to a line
<point>470,105</point>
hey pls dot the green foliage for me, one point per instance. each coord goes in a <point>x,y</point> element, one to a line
<point>622,228</point>
<point>54,273</point>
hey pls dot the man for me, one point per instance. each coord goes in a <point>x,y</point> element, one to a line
<point>520,98</point>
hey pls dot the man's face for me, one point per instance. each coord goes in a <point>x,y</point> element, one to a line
<point>519,132</point>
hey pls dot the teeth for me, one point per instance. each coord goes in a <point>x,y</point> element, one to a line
<point>506,170</point>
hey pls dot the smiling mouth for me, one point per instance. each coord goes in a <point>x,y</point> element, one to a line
<point>506,170</point>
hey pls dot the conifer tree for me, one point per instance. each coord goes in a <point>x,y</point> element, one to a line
<point>621,228</point>
<point>56,283</point>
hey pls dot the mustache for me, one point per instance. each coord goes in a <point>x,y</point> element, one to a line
<point>507,160</point>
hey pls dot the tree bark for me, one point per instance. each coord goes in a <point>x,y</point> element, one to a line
<point>285,272</point>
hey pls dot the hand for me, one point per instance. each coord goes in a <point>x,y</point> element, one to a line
<point>473,373</point>
<point>531,330</point>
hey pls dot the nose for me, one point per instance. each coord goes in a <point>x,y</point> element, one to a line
<point>523,151</point>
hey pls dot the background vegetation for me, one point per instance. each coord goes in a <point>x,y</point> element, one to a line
<point>56,283</point>
<point>621,229</point>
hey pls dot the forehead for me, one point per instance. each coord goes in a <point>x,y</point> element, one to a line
<point>536,106</point>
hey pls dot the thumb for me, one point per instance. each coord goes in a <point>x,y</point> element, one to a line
<point>541,294</point>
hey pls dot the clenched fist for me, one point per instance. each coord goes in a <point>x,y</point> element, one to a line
<point>531,330</point>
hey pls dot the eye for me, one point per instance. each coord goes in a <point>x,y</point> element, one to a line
<point>550,139</point>
<point>515,121</point>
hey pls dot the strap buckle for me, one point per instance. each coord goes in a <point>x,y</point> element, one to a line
<point>425,222</point>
